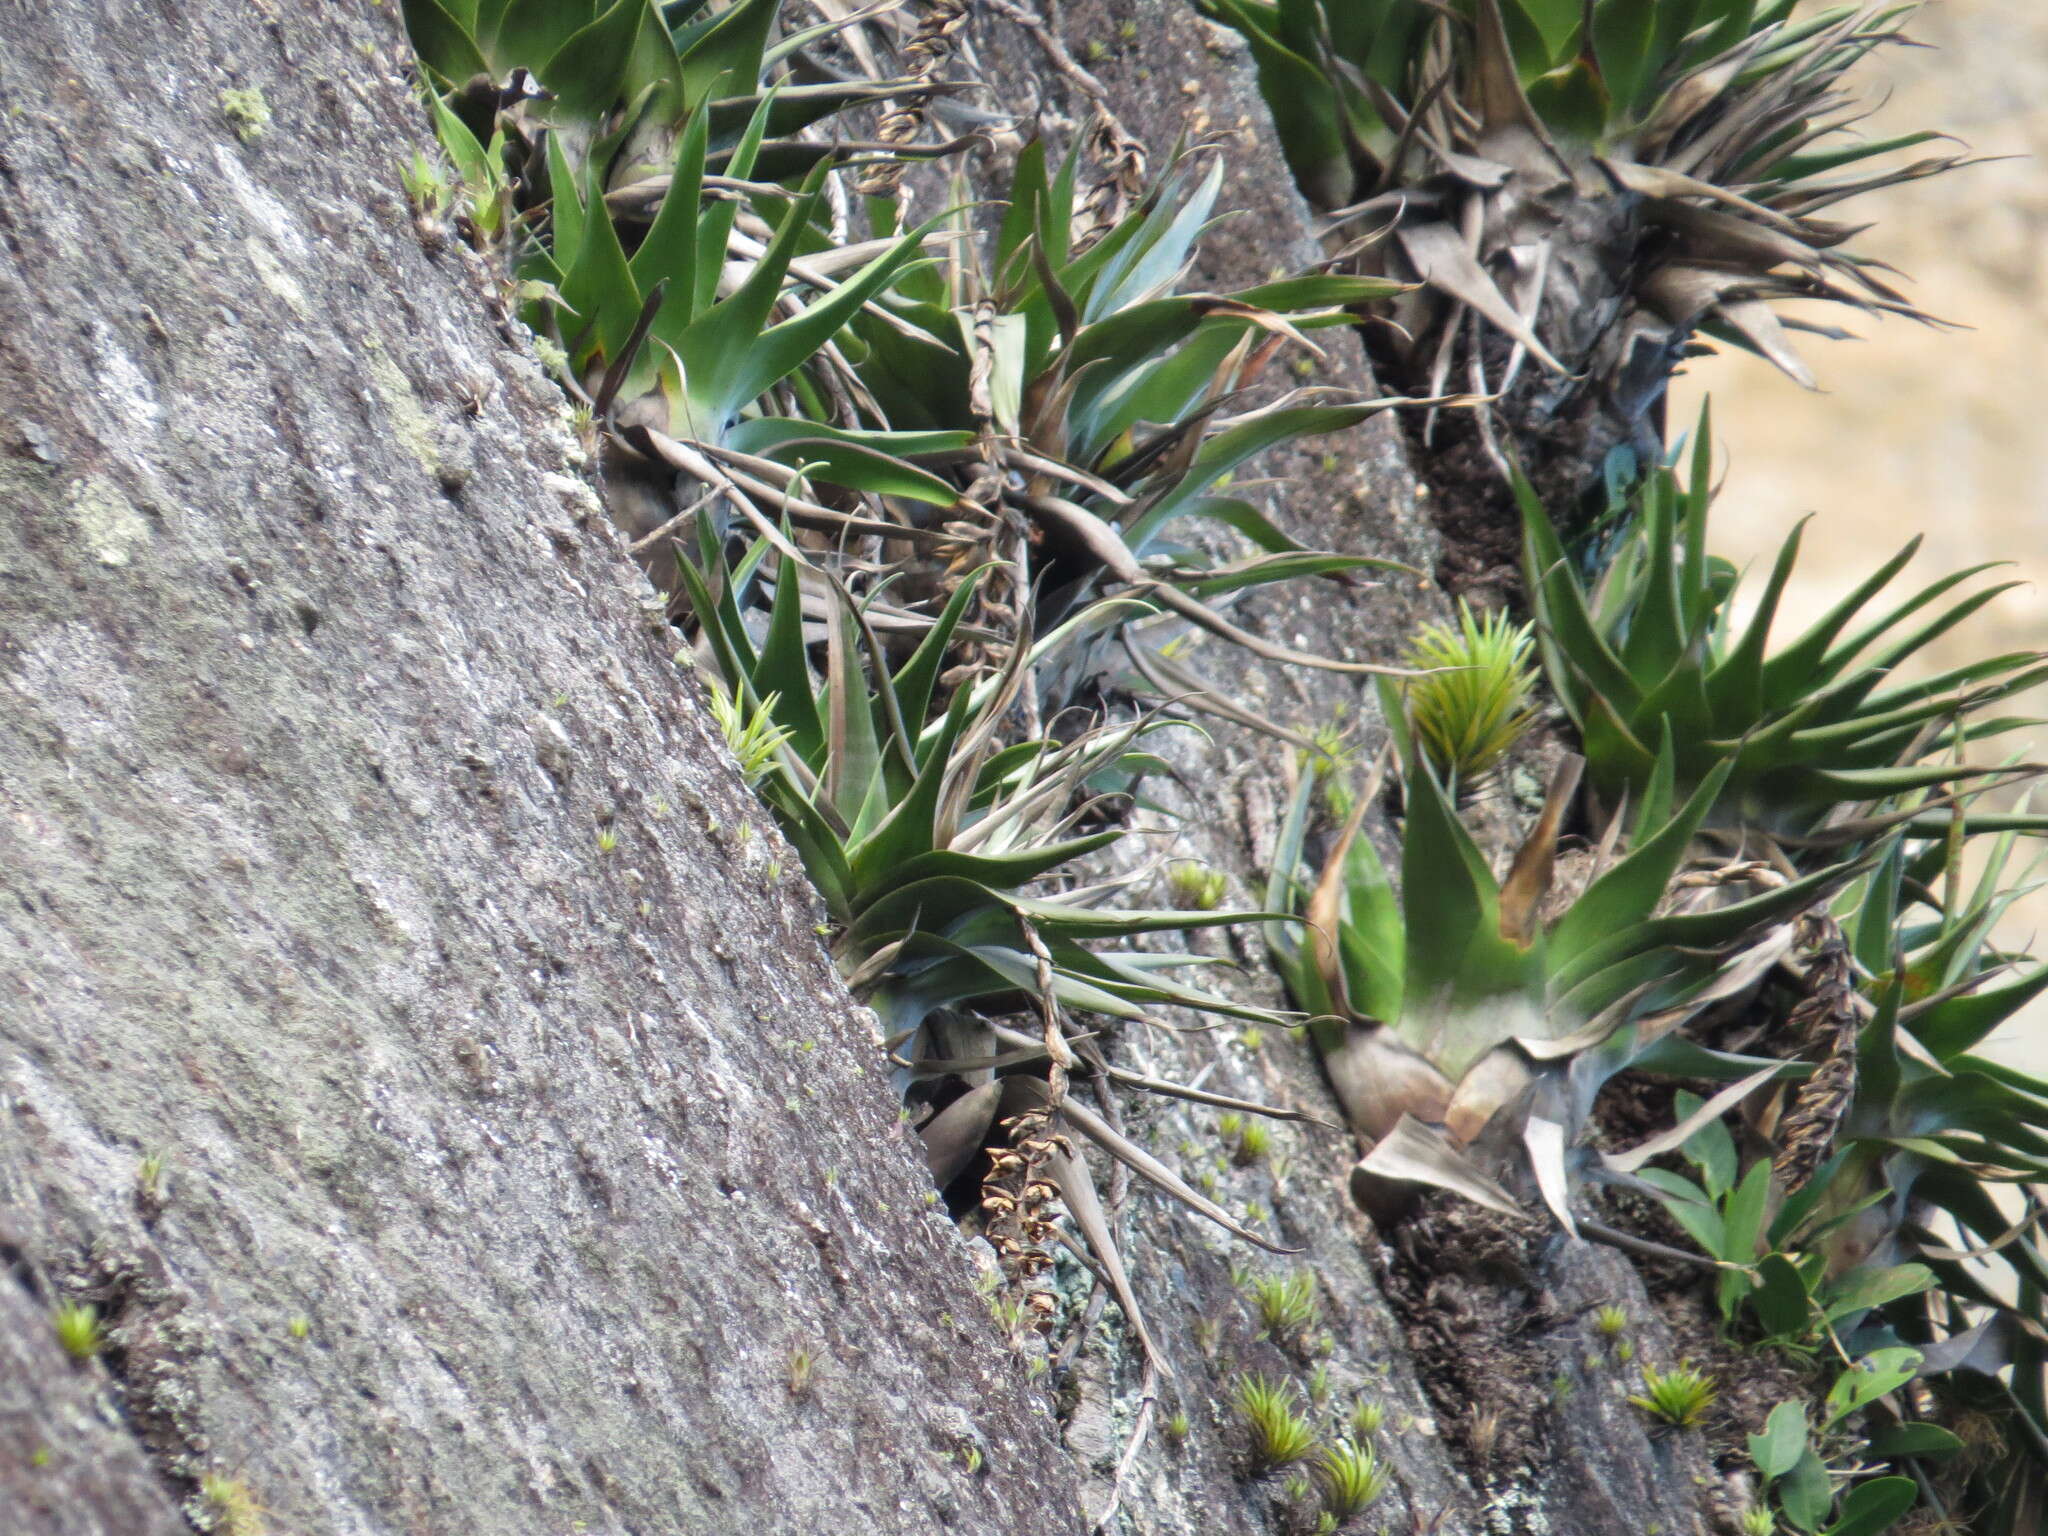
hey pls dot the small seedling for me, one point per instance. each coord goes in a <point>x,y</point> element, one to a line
<point>1286,1304</point>
<point>1177,1428</point>
<point>1279,1435</point>
<point>299,1326</point>
<point>78,1329</point>
<point>1252,1038</point>
<point>1296,1489</point>
<point>1253,1142</point>
<point>1625,1351</point>
<point>1319,1384</point>
<point>1352,1477</point>
<point>230,1508</point>
<point>750,733</point>
<point>1473,704</point>
<point>1757,1521</point>
<point>1195,887</point>
<point>607,840</point>
<point>1366,1418</point>
<point>970,1458</point>
<point>1680,1396</point>
<point>1611,1321</point>
<point>802,1365</point>
<point>149,1176</point>
<point>425,187</point>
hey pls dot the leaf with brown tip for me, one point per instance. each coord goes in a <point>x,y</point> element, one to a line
<point>1528,881</point>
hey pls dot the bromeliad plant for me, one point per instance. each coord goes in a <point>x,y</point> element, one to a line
<point>1465,1033</point>
<point>1819,736</point>
<point>926,840</point>
<point>1581,187</point>
<point>1104,399</point>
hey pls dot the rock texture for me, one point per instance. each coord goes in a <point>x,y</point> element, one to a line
<point>415,1041</point>
<point>367,858</point>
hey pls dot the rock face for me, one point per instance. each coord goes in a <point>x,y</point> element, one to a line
<point>413,1038</point>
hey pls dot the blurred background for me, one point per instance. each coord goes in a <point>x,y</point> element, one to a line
<point>1917,429</point>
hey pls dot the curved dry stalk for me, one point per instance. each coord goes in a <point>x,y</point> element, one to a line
<point>1107,546</point>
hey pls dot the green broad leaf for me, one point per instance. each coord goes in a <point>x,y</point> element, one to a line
<point>599,287</point>
<point>1304,105</point>
<point>784,668</point>
<point>724,57</point>
<point>1789,675</point>
<point>1244,518</point>
<point>464,152</point>
<point>1862,1289</point>
<point>1564,623</point>
<point>654,71</point>
<point>1228,449</point>
<point>916,678</point>
<point>1277,568</point>
<point>1700,1220</point>
<point>588,71</point>
<point>1629,892</point>
<point>1710,928</point>
<point>765,435</point>
<point>1659,789</point>
<point>1913,1438</point>
<point>1871,1507</point>
<point>1143,268</point>
<point>1572,101</point>
<point>1742,1225</point>
<point>714,229</point>
<point>909,829</point>
<point>1876,919</point>
<point>1804,1493</point>
<point>744,361</point>
<point>1372,941</point>
<point>853,755</point>
<point>1778,1449</point>
<point>997,872</point>
<point>528,33</point>
<point>444,41</point>
<point>847,462</point>
<point>818,844</point>
<point>669,250</point>
<point>1711,1149</point>
<point>1820,162</point>
<point>1735,685</point>
<point>790,109</point>
<point>1089,922</point>
<point>1877,666</point>
<point>1675,1056</point>
<point>1555,21</point>
<point>1027,195</point>
<point>1448,896</point>
<point>1319,290</point>
<point>1785,1311</point>
<point>1112,400</point>
<point>1879,1372</point>
<point>1622,33</point>
<point>566,212</point>
<point>1658,636</point>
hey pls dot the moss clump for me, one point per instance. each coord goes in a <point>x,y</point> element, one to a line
<point>247,111</point>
